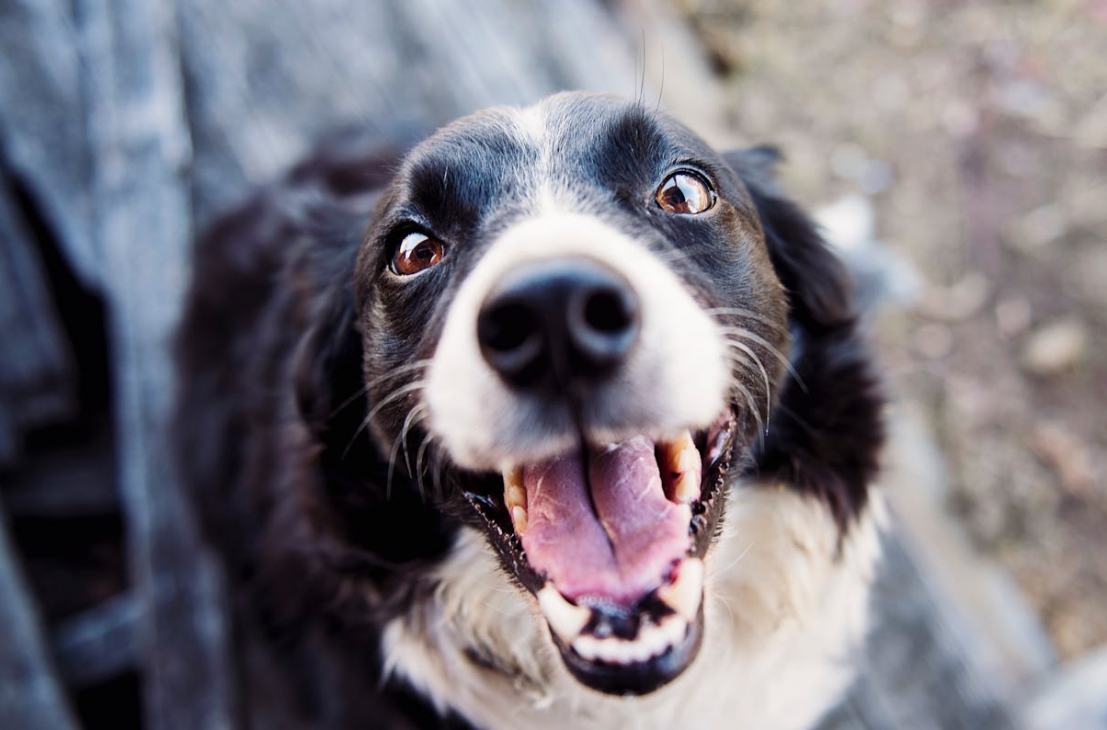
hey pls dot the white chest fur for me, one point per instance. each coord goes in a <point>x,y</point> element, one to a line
<point>785,613</point>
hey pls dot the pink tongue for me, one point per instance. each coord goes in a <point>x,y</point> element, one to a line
<point>623,554</point>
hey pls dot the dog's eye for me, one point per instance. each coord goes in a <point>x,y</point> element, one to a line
<point>417,252</point>
<point>685,193</point>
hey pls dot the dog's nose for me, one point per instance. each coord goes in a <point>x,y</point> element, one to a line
<point>558,323</point>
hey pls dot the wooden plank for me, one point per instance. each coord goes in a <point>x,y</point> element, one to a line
<point>31,697</point>
<point>260,74</point>
<point>140,147</point>
<point>37,378</point>
<point>99,644</point>
<point>914,673</point>
<point>42,132</point>
<point>70,481</point>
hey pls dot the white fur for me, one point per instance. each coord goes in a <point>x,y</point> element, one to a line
<point>785,611</point>
<point>680,358</point>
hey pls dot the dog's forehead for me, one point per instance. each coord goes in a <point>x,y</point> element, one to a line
<point>563,144</point>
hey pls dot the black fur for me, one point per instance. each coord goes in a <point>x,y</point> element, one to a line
<point>289,316</point>
<point>824,436</point>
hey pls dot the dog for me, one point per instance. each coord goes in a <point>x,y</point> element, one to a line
<point>560,419</point>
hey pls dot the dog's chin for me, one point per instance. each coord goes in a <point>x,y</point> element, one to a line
<point>610,540</point>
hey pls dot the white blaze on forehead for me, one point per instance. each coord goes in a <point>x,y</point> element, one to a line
<point>675,378</point>
<point>533,127</point>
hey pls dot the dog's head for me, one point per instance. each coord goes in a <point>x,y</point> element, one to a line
<point>575,321</point>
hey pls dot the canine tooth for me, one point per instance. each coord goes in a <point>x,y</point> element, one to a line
<point>680,454</point>
<point>565,619</point>
<point>686,488</point>
<point>514,491</point>
<point>679,460</point>
<point>519,519</point>
<point>684,594</point>
<point>515,499</point>
<point>674,629</point>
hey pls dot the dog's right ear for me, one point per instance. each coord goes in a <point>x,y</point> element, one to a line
<point>817,282</point>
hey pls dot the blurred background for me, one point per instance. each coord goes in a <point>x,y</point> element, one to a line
<point>955,152</point>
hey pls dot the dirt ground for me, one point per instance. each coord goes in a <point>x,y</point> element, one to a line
<point>979,132</point>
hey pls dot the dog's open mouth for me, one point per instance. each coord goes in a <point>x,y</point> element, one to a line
<point>611,541</point>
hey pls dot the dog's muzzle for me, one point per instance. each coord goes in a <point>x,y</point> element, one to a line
<point>578,366</point>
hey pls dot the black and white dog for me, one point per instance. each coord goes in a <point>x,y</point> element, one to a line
<point>478,455</point>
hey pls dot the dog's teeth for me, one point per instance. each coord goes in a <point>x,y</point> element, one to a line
<point>686,488</point>
<point>681,468</point>
<point>515,499</point>
<point>685,593</point>
<point>519,520</point>
<point>565,619</point>
<point>652,641</point>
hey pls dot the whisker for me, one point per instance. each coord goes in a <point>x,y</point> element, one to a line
<point>764,374</point>
<point>408,367</point>
<point>419,464</point>
<point>737,559</point>
<point>423,410</point>
<point>392,397</point>
<point>742,332</point>
<point>744,391</point>
<point>751,314</point>
<point>413,417</point>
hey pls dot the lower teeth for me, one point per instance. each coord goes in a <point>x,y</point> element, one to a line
<point>653,640</point>
<point>683,595</point>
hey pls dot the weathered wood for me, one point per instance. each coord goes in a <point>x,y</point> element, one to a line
<point>1074,699</point>
<point>30,696</point>
<point>76,481</point>
<point>98,644</point>
<point>914,675</point>
<point>42,120</point>
<point>140,149</point>
<point>270,79</point>
<point>37,378</point>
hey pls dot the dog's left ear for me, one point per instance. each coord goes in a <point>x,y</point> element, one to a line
<point>818,284</point>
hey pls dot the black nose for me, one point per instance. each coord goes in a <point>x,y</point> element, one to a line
<point>556,324</point>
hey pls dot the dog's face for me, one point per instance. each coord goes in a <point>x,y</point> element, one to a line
<point>573,330</point>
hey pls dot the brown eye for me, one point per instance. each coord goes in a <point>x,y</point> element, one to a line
<point>417,252</point>
<point>685,193</point>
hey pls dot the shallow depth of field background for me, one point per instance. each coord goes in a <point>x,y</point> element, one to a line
<point>978,133</point>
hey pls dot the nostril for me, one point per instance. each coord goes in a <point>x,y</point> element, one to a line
<point>511,339</point>
<point>603,327</point>
<point>607,311</point>
<point>507,327</point>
